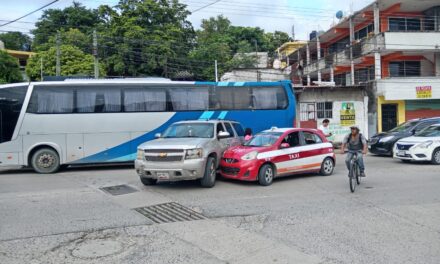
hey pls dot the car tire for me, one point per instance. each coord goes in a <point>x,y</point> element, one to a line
<point>327,167</point>
<point>148,181</point>
<point>45,160</point>
<point>436,157</point>
<point>208,180</point>
<point>266,175</point>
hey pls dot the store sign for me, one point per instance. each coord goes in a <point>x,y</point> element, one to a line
<point>348,114</point>
<point>424,92</point>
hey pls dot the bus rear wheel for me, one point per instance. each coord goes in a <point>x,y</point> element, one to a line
<point>45,160</point>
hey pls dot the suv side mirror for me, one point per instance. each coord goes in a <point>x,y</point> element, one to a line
<point>284,145</point>
<point>158,135</point>
<point>223,134</point>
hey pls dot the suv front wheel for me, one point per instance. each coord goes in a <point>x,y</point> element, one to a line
<point>208,180</point>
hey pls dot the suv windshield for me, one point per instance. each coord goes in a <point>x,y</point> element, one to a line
<point>187,130</point>
<point>432,131</point>
<point>264,139</point>
<point>403,127</point>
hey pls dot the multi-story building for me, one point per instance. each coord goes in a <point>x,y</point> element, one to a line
<point>384,60</point>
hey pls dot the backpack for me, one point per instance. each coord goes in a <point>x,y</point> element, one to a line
<point>360,140</point>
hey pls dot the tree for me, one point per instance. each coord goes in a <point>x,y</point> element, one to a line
<point>16,41</point>
<point>71,37</point>
<point>9,69</point>
<point>76,16</point>
<point>73,62</point>
<point>145,37</point>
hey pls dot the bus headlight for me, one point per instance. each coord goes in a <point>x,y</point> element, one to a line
<point>194,153</point>
<point>140,154</point>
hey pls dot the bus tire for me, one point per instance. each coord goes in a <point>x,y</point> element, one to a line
<point>45,160</point>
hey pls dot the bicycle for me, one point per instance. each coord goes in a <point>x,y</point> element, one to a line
<point>354,173</point>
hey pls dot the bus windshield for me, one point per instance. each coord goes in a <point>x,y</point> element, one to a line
<point>189,130</point>
<point>11,102</point>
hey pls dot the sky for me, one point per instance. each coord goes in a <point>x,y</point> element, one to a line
<point>281,15</point>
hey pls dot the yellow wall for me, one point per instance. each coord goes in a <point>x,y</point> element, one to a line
<point>400,111</point>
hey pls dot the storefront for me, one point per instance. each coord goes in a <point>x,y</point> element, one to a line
<point>343,107</point>
<point>401,99</point>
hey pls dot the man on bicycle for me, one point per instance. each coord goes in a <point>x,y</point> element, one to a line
<point>355,142</point>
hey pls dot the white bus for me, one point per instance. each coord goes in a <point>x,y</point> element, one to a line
<point>46,125</point>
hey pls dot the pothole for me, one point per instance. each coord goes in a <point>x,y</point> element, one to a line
<point>97,248</point>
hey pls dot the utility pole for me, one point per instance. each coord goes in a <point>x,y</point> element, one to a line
<point>216,70</point>
<point>41,69</point>
<point>256,57</point>
<point>95,54</point>
<point>58,65</point>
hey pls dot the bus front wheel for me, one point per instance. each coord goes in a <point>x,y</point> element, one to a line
<point>45,160</point>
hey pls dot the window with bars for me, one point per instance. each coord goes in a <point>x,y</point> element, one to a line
<point>324,109</point>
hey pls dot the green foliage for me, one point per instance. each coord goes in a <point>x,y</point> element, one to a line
<point>71,37</point>
<point>9,69</point>
<point>147,37</point>
<point>16,41</point>
<point>76,16</point>
<point>73,62</point>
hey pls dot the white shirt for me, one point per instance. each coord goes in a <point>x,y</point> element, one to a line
<point>324,130</point>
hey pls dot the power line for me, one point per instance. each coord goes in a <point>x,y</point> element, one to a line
<point>30,13</point>
<point>205,6</point>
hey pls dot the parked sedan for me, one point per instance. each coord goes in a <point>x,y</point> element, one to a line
<point>279,152</point>
<point>424,146</point>
<point>383,143</point>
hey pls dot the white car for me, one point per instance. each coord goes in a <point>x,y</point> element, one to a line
<point>424,146</point>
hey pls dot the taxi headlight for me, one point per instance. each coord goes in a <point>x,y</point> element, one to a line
<point>194,153</point>
<point>140,154</point>
<point>424,145</point>
<point>250,156</point>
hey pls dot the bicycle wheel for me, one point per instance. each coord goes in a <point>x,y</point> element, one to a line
<point>352,176</point>
<point>358,177</point>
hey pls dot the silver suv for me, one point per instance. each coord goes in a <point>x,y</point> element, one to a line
<point>187,150</point>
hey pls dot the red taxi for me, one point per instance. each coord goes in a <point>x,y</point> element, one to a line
<point>279,152</point>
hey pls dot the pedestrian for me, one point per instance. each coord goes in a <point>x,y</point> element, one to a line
<point>248,134</point>
<point>325,128</point>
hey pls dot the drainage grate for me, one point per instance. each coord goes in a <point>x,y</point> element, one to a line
<point>119,189</point>
<point>169,212</point>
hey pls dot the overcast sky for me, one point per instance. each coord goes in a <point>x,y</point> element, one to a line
<point>305,15</point>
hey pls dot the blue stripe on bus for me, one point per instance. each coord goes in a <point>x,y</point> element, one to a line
<point>222,115</point>
<point>127,148</point>
<point>207,115</point>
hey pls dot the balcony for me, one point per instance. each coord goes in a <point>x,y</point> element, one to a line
<point>412,41</point>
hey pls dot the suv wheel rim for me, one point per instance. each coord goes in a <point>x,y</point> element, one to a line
<point>268,175</point>
<point>46,160</point>
<point>212,170</point>
<point>328,166</point>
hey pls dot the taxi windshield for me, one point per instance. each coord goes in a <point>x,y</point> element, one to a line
<point>432,131</point>
<point>264,139</point>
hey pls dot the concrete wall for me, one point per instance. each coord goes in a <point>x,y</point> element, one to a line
<point>250,75</point>
<point>339,96</point>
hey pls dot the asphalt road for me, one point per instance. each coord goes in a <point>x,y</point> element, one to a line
<point>394,217</point>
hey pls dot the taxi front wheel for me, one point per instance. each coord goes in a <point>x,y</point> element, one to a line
<point>266,175</point>
<point>327,167</point>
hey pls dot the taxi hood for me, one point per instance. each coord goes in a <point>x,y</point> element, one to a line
<point>239,151</point>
